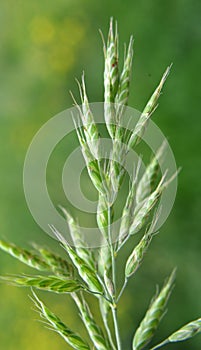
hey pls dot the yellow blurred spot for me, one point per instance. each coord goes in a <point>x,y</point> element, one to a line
<point>61,58</point>
<point>62,53</point>
<point>55,45</point>
<point>42,30</point>
<point>72,32</point>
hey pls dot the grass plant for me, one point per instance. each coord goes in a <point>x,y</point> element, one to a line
<point>87,271</point>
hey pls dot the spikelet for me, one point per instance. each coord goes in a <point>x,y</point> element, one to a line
<point>94,331</point>
<point>147,112</point>
<point>88,275</point>
<point>25,256</point>
<point>142,212</point>
<point>93,165</point>
<point>136,257</point>
<point>80,246</point>
<point>117,162</point>
<point>73,339</point>
<point>102,215</point>
<point>128,210</point>
<point>111,73</point>
<point>90,127</point>
<point>111,78</point>
<point>148,181</point>
<point>121,98</point>
<point>57,264</point>
<point>186,332</point>
<point>56,284</point>
<point>153,316</point>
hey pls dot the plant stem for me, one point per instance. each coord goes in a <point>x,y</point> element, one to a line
<point>113,306</point>
<point>108,332</point>
<point>165,342</point>
<point>111,249</point>
<point>122,289</point>
<point>123,242</point>
<point>116,327</point>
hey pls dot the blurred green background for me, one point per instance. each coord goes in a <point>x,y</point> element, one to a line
<point>44,46</point>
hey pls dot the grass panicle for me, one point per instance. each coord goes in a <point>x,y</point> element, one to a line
<point>95,272</point>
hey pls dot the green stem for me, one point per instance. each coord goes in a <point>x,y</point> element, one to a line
<point>123,242</point>
<point>111,249</point>
<point>114,306</point>
<point>116,327</point>
<point>122,289</point>
<point>165,342</point>
<point>107,328</point>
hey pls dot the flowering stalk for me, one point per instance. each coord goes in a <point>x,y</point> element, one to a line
<point>95,272</point>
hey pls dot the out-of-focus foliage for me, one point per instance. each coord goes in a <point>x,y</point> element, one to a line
<point>44,45</point>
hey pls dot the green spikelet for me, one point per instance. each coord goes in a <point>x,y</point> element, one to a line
<point>90,127</point>
<point>25,256</point>
<point>86,273</point>
<point>148,181</point>
<point>57,264</point>
<point>102,215</point>
<point>80,246</point>
<point>93,165</point>
<point>122,95</point>
<point>186,332</point>
<point>128,210</point>
<point>136,257</point>
<point>117,162</point>
<point>111,73</point>
<point>111,78</point>
<point>149,324</point>
<point>56,284</point>
<point>104,259</point>
<point>59,327</point>
<point>94,331</point>
<point>143,210</point>
<point>147,112</point>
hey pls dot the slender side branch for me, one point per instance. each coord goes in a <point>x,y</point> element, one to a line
<point>113,306</point>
